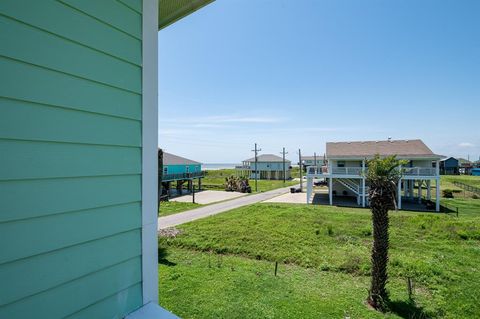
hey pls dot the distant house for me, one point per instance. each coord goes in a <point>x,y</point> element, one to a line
<point>465,166</point>
<point>347,164</point>
<point>268,166</point>
<point>313,160</point>
<point>449,166</point>
<point>180,170</point>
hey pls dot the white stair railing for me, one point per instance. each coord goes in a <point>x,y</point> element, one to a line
<point>350,185</point>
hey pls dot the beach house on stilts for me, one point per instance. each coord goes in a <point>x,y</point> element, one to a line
<point>346,164</point>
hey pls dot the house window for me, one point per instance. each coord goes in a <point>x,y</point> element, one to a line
<point>341,164</point>
<point>165,170</point>
<point>187,169</point>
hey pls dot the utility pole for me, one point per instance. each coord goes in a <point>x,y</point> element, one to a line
<point>300,166</point>
<point>256,150</point>
<point>284,172</point>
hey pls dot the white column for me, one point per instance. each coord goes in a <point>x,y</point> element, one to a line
<point>420,183</point>
<point>437,188</point>
<point>429,191</point>
<point>363,183</point>
<point>359,195</point>
<point>412,188</point>
<point>405,188</point>
<point>149,141</point>
<point>363,192</point>
<point>330,194</point>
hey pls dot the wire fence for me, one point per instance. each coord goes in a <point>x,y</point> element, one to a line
<point>469,188</point>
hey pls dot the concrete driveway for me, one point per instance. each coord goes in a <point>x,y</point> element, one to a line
<point>208,197</point>
<point>185,217</point>
<point>295,198</point>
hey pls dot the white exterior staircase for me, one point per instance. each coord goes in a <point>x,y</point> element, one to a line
<point>354,186</point>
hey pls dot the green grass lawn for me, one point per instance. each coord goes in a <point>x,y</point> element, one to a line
<point>171,207</point>
<point>215,180</point>
<point>222,266</point>
<point>448,180</point>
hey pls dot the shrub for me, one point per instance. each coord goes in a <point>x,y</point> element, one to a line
<point>325,267</point>
<point>367,232</point>
<point>475,196</point>
<point>447,193</point>
<point>330,230</point>
<point>353,265</point>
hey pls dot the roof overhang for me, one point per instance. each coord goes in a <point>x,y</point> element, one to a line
<point>403,157</point>
<point>170,11</point>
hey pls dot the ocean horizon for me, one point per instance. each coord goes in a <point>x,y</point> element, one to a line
<point>217,166</point>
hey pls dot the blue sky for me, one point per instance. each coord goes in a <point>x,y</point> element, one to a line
<point>298,73</point>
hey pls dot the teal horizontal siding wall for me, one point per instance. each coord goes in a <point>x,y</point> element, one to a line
<point>70,158</point>
<point>180,169</point>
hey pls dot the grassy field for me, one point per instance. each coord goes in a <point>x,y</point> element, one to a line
<point>446,182</point>
<point>223,266</point>
<point>168,208</point>
<point>466,179</point>
<point>215,180</point>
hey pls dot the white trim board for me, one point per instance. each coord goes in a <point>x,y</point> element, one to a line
<point>151,311</point>
<point>149,151</point>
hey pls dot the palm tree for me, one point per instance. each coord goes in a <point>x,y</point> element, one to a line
<point>382,177</point>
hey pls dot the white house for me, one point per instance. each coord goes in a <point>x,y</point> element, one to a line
<point>267,166</point>
<point>313,160</point>
<point>346,165</point>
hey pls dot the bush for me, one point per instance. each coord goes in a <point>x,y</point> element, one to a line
<point>475,196</point>
<point>367,232</point>
<point>447,193</point>
<point>330,230</point>
<point>354,265</point>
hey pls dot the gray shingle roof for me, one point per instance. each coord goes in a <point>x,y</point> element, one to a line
<point>267,158</point>
<point>312,158</point>
<point>170,159</point>
<point>401,148</point>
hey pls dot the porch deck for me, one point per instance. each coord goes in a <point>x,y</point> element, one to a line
<point>359,172</point>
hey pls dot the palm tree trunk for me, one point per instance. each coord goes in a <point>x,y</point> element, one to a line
<point>380,206</point>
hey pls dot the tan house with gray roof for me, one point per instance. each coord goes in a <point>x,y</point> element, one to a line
<point>346,165</point>
<point>267,166</point>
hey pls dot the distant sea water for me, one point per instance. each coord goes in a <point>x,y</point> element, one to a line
<point>217,166</point>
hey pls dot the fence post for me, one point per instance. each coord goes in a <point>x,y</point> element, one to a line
<point>193,194</point>
<point>409,288</point>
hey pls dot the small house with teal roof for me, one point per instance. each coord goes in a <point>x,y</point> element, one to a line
<point>180,170</point>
